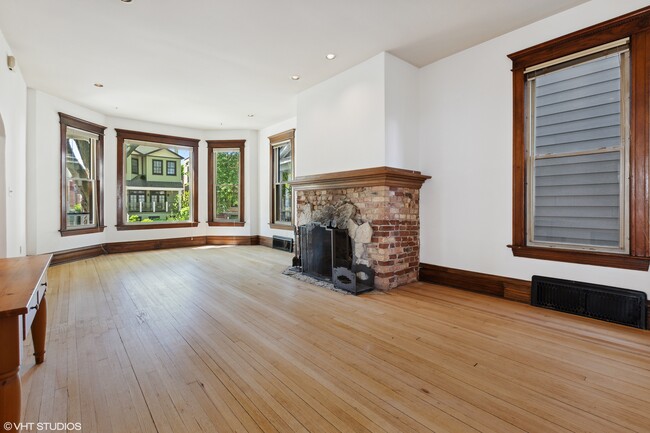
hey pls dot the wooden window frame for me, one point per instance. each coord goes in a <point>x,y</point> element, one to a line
<point>124,134</point>
<point>167,163</point>
<point>153,167</point>
<point>66,121</point>
<point>636,26</point>
<point>226,144</point>
<point>274,140</point>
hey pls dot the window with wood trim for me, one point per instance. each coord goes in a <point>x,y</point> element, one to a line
<point>282,173</point>
<point>82,160</point>
<point>153,199</point>
<point>580,146</point>
<point>226,182</point>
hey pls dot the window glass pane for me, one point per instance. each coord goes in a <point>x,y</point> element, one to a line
<point>579,108</point>
<point>577,199</point>
<point>227,192</point>
<point>134,166</point>
<point>154,196</point>
<point>284,163</point>
<point>283,203</point>
<point>80,200</point>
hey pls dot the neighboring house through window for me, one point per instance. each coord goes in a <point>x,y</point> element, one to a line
<point>226,182</point>
<point>150,198</point>
<point>82,156</point>
<point>581,146</point>
<point>282,172</point>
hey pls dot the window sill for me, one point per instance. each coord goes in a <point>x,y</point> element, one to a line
<point>155,226</point>
<point>281,226</point>
<point>73,232</point>
<point>226,224</point>
<point>610,260</point>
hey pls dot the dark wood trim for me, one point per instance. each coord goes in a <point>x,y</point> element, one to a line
<point>265,241</point>
<point>157,138</point>
<point>66,121</point>
<point>281,137</point>
<point>232,240</point>
<point>123,134</point>
<point>376,176</point>
<point>153,244</point>
<point>505,287</point>
<point>226,144</point>
<point>598,34</point>
<point>622,261</point>
<point>150,226</point>
<point>226,224</point>
<point>77,254</point>
<point>636,26</point>
<point>147,245</point>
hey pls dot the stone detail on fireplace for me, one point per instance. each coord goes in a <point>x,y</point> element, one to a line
<point>382,221</point>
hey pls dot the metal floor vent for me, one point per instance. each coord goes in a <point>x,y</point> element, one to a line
<point>623,306</point>
<point>284,244</point>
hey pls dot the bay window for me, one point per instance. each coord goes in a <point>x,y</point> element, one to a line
<point>282,172</point>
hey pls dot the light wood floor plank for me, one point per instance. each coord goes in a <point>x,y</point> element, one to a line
<point>216,339</point>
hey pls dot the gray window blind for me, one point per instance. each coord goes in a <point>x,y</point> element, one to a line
<point>577,154</point>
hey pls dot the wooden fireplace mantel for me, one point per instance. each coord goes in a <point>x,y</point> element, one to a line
<point>376,176</point>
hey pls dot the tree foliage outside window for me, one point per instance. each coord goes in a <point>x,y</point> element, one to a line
<point>227,178</point>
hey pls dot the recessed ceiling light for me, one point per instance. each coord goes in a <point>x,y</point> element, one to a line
<point>251,115</point>
<point>126,1</point>
<point>295,77</point>
<point>98,85</point>
<point>330,56</point>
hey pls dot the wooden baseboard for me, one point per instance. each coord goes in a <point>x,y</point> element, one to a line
<point>266,241</point>
<point>72,255</point>
<point>505,287</point>
<point>77,254</point>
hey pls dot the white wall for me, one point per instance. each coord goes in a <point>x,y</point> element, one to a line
<point>466,146</point>
<point>341,121</point>
<point>264,176</point>
<point>44,175</point>
<point>402,113</point>
<point>13,102</point>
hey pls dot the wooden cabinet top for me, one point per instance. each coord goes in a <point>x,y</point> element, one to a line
<point>18,278</point>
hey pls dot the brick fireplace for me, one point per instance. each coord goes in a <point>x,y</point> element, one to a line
<point>386,198</point>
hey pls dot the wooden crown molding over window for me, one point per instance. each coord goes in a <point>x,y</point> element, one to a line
<point>281,137</point>
<point>124,134</point>
<point>636,26</point>
<point>377,176</point>
<point>225,144</point>
<point>66,121</point>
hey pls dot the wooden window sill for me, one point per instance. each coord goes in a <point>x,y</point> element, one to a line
<point>622,261</point>
<point>147,226</point>
<point>226,223</point>
<point>281,226</point>
<point>73,232</point>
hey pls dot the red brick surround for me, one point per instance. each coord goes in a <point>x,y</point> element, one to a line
<point>394,215</point>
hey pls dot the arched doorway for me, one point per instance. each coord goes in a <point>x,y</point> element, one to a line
<point>3,192</point>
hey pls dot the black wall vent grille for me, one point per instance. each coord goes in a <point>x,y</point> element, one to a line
<point>627,307</point>
<point>284,244</point>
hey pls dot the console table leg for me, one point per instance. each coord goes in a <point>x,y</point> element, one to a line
<point>39,326</point>
<point>10,388</point>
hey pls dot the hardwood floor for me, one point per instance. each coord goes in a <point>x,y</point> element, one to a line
<point>215,339</point>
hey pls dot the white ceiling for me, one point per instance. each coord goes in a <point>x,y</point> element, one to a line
<point>208,64</point>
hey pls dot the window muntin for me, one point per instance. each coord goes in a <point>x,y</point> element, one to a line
<point>282,175</point>
<point>171,168</point>
<point>156,167</point>
<point>81,175</point>
<point>578,135</point>
<point>227,192</point>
